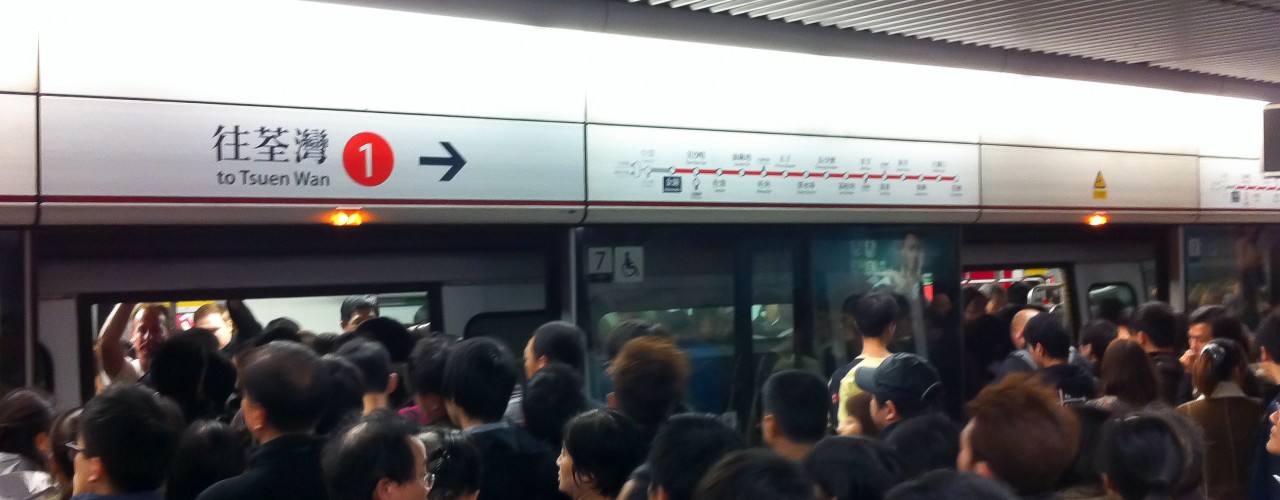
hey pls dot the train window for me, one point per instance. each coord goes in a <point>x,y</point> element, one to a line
<point>1114,296</point>
<point>678,279</point>
<point>1233,266</point>
<point>1046,287</point>
<point>315,314</point>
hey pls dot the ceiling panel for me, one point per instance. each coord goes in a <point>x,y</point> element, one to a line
<point>1233,38</point>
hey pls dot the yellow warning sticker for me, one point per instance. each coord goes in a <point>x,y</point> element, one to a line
<point>1099,182</point>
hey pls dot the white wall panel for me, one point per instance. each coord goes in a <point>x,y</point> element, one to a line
<point>637,81</point>
<point>19,46</point>
<point>1046,112</point>
<point>308,54</point>
<point>17,158</point>
<point>1030,178</point>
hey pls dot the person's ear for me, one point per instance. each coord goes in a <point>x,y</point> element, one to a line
<point>542,362</point>
<point>97,472</point>
<point>611,400</point>
<point>43,443</point>
<point>890,411</point>
<point>255,418</point>
<point>1265,355</point>
<point>392,382</point>
<point>384,489</point>
<point>984,469</point>
<point>1106,483</point>
<point>768,428</point>
<point>657,493</point>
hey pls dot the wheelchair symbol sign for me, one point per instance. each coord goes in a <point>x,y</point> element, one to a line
<point>628,264</point>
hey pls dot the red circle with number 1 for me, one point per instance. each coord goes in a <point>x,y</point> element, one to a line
<point>368,159</point>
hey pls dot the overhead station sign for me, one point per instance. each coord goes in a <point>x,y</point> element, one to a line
<point>656,167</point>
<point>1233,184</point>
<point>99,151</point>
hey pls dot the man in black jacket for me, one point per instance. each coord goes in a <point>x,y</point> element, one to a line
<point>1050,346</point>
<point>478,379</point>
<point>1155,328</point>
<point>284,387</point>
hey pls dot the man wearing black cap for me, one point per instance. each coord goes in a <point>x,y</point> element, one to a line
<point>903,386</point>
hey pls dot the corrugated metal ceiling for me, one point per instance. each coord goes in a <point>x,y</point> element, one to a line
<point>1235,38</point>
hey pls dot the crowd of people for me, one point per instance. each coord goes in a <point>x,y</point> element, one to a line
<point>378,412</point>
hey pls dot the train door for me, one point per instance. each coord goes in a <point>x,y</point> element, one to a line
<point>1081,272</point>
<point>455,281</point>
<point>745,303</point>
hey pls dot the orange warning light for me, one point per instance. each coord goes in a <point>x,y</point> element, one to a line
<point>347,217</point>
<point>1097,219</point>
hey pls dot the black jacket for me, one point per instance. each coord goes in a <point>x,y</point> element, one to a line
<point>287,467</point>
<point>1170,370</point>
<point>1072,382</point>
<point>516,464</point>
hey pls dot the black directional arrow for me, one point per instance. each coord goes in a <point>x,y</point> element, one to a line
<point>455,161</point>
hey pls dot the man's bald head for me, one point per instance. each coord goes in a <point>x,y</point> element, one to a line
<point>1019,323</point>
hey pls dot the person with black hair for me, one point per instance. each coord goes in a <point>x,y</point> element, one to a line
<point>378,458</point>
<point>357,309</point>
<point>1155,329</point>
<point>795,408</point>
<point>126,442</point>
<point>1142,457</point>
<point>391,334</point>
<point>25,419</point>
<point>374,363</point>
<point>601,448</point>
<point>425,376</point>
<point>285,386</point>
<point>754,475</point>
<point>1095,336</point>
<point>454,466</point>
<point>478,379</point>
<point>554,342</point>
<point>686,447</point>
<point>178,366</point>
<point>208,452</point>
<point>1084,479</point>
<point>553,397</point>
<point>1200,331</point>
<point>1226,416</point>
<point>852,468</point>
<point>875,317</point>
<point>903,386</point>
<point>951,485</point>
<point>1050,346</point>
<point>344,397</point>
<point>928,442</point>
<point>1266,466</point>
<point>64,430</point>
